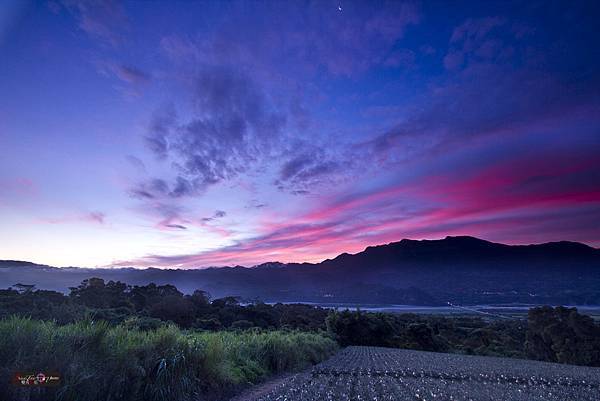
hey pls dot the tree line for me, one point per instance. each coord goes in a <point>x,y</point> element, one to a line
<point>150,306</point>
<point>550,334</point>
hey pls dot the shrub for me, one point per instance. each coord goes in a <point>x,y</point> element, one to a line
<point>563,335</point>
<point>102,362</point>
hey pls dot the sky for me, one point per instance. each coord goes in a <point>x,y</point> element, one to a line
<point>194,134</point>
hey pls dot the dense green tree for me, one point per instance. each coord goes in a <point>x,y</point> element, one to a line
<point>563,335</point>
<point>95,293</point>
<point>174,308</point>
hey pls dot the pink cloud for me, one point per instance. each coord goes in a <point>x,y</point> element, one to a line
<point>520,193</point>
<point>94,217</point>
<point>20,186</point>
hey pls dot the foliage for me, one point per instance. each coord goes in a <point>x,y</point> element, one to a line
<point>98,361</point>
<point>117,302</point>
<point>550,334</point>
<point>428,333</point>
<point>563,335</point>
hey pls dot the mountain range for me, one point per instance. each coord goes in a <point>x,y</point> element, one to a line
<point>462,269</point>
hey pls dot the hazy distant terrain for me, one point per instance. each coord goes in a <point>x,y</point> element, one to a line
<point>464,270</point>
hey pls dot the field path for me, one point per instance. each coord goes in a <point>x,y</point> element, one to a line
<point>262,389</point>
<point>386,374</point>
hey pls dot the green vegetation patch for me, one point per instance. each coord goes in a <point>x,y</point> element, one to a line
<point>98,361</point>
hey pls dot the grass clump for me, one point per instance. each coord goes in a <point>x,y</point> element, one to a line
<point>102,362</point>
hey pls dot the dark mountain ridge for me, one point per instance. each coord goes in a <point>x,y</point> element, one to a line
<point>461,269</point>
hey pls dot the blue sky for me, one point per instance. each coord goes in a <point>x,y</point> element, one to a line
<point>208,133</point>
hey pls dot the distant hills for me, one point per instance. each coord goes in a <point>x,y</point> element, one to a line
<point>464,270</point>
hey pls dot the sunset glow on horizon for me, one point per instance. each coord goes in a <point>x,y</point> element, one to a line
<point>196,134</point>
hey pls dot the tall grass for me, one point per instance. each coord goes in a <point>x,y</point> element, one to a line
<point>98,362</point>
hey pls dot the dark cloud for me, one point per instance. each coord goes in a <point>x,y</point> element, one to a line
<point>217,215</point>
<point>157,188</point>
<point>178,226</point>
<point>97,217</point>
<point>495,82</point>
<point>169,215</point>
<point>237,127</point>
<point>150,189</point>
<point>307,169</point>
<point>234,125</point>
<point>246,111</point>
<point>137,163</point>
<point>498,84</point>
<point>163,123</point>
<point>295,166</point>
<point>140,193</point>
<point>255,204</point>
<point>182,187</point>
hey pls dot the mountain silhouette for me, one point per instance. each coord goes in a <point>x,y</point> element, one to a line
<point>460,269</point>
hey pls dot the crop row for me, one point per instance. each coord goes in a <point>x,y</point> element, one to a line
<point>380,374</point>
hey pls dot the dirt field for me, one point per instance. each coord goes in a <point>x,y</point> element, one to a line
<point>383,374</point>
